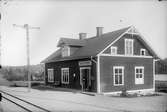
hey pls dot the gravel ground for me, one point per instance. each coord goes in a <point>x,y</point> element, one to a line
<point>70,101</point>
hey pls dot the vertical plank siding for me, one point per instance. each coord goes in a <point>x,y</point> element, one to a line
<point>120,44</point>
<point>106,73</point>
<point>74,68</point>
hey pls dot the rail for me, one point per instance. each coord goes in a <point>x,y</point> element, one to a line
<point>23,107</point>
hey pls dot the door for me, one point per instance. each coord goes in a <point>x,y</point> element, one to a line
<point>85,78</point>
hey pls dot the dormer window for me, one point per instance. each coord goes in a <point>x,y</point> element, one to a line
<point>128,46</point>
<point>142,52</point>
<point>65,51</point>
<point>113,50</point>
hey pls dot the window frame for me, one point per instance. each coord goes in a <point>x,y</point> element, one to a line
<point>139,67</point>
<point>64,75</point>
<point>52,76</point>
<point>68,51</point>
<point>118,67</point>
<point>144,52</point>
<point>113,47</point>
<point>130,40</point>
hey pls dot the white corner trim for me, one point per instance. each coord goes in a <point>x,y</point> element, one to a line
<point>126,32</point>
<point>131,56</point>
<point>142,37</point>
<point>115,40</point>
<point>98,74</point>
<point>154,74</point>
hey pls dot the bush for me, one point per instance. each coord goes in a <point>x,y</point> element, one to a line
<point>124,93</point>
<point>19,73</point>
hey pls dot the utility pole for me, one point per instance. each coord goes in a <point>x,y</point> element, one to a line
<point>27,28</point>
<point>1,7</point>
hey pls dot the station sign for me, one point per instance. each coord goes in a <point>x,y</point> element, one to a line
<point>85,63</point>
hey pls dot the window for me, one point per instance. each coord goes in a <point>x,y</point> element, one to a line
<point>128,46</point>
<point>142,52</point>
<point>50,75</point>
<point>113,50</point>
<point>139,75</point>
<point>65,75</point>
<point>118,75</point>
<point>65,51</point>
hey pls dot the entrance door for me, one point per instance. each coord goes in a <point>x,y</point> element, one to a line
<point>85,80</point>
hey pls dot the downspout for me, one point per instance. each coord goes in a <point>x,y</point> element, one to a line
<point>97,72</point>
<point>154,60</point>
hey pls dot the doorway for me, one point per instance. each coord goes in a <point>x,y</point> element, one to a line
<point>85,78</point>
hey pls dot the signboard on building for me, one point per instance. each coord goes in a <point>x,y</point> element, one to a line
<point>85,63</point>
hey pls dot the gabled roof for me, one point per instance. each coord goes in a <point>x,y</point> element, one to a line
<point>51,58</point>
<point>90,46</point>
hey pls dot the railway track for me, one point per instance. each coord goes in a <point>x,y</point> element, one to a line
<point>25,105</point>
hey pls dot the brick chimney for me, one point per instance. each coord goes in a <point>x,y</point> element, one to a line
<point>99,31</point>
<point>82,36</point>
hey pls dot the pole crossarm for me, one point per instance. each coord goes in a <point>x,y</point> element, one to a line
<point>27,27</point>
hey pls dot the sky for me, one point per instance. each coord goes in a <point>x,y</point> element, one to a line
<point>58,19</point>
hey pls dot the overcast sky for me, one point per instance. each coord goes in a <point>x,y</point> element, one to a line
<point>67,18</point>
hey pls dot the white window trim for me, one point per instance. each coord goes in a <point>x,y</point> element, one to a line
<point>68,51</point>
<point>119,55</point>
<point>63,82</point>
<point>144,52</point>
<point>126,45</point>
<point>81,81</point>
<point>50,69</point>
<point>118,67</point>
<point>139,67</point>
<point>113,47</point>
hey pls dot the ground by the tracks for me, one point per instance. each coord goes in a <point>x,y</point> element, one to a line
<point>57,101</point>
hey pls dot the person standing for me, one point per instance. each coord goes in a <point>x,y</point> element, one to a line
<point>1,109</point>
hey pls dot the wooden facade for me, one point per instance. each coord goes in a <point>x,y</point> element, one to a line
<point>74,68</point>
<point>104,72</point>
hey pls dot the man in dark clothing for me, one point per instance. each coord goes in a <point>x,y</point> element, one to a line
<point>0,97</point>
<point>1,109</point>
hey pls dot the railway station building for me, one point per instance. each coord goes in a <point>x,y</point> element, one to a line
<point>106,63</point>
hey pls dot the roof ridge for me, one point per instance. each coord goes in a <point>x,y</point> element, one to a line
<point>92,45</point>
<point>110,32</point>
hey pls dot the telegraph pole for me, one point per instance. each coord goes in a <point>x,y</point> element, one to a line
<point>27,28</point>
<point>1,3</point>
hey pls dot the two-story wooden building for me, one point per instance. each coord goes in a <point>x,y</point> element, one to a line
<point>106,63</point>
